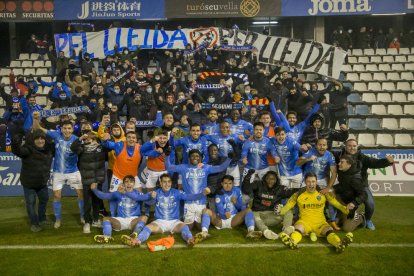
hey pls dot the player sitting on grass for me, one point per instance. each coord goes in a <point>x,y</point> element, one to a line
<point>231,211</point>
<point>128,210</point>
<point>167,213</point>
<point>311,205</point>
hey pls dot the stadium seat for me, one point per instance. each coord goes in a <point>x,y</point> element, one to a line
<point>24,56</point>
<point>369,52</point>
<point>369,67</point>
<point>34,56</point>
<point>369,97</point>
<point>351,110</point>
<point>392,51</point>
<point>18,71</point>
<point>384,67</point>
<point>412,50</point>
<point>373,123</point>
<point>383,97</point>
<point>38,63</point>
<point>365,76</point>
<point>397,67</point>
<point>390,123</point>
<point>347,68</point>
<point>5,71</point>
<point>409,67</point>
<point>388,86</point>
<point>388,59</point>
<point>403,86</point>
<point>360,67</point>
<point>354,97</point>
<point>393,76</point>
<point>404,51</point>
<point>407,76</point>
<point>363,59</point>
<point>352,77</point>
<point>41,100</point>
<point>15,63</point>
<point>357,52</point>
<point>360,86</point>
<point>378,109</point>
<point>27,63</point>
<point>321,86</point>
<point>385,140</point>
<point>400,59</point>
<point>410,58</point>
<point>403,140</point>
<point>409,109</point>
<point>379,77</point>
<point>352,60</point>
<point>47,79</point>
<point>374,86</point>
<point>5,80</point>
<point>48,63</point>
<point>376,59</point>
<point>39,90</point>
<point>407,123</point>
<point>395,109</point>
<point>41,72</point>
<point>399,97</point>
<point>381,52</point>
<point>29,71</point>
<point>1,112</point>
<point>361,110</point>
<point>410,97</point>
<point>366,139</point>
<point>355,123</point>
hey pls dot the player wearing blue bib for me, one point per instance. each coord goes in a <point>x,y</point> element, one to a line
<point>255,151</point>
<point>128,209</point>
<point>212,126</point>
<point>288,151</point>
<point>167,213</point>
<point>231,212</point>
<point>65,166</point>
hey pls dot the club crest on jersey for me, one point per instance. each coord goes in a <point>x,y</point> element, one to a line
<point>319,197</point>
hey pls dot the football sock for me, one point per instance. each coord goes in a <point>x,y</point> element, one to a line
<point>296,237</point>
<point>138,228</point>
<point>186,233</point>
<point>147,209</point>
<point>333,239</point>
<point>57,208</point>
<point>107,228</point>
<point>144,235</point>
<point>205,222</point>
<point>249,221</point>
<point>80,205</point>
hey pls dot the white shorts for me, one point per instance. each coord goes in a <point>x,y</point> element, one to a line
<point>235,172</point>
<point>193,212</point>
<point>125,222</point>
<point>152,178</point>
<point>290,182</point>
<point>74,180</point>
<point>259,173</point>
<point>167,225</point>
<point>226,223</point>
<point>115,182</point>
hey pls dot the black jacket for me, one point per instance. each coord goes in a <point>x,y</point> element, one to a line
<point>363,163</point>
<point>36,162</point>
<point>265,198</point>
<point>351,187</point>
<point>91,162</point>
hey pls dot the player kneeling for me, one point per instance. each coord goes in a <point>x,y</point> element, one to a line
<point>231,212</point>
<point>311,205</point>
<point>128,210</point>
<point>167,213</point>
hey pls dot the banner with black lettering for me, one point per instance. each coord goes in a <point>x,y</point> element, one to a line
<point>304,55</point>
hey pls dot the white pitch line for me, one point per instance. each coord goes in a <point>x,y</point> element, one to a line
<point>227,245</point>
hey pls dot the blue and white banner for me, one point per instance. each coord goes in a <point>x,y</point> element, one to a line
<point>345,7</point>
<point>109,9</point>
<point>304,55</point>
